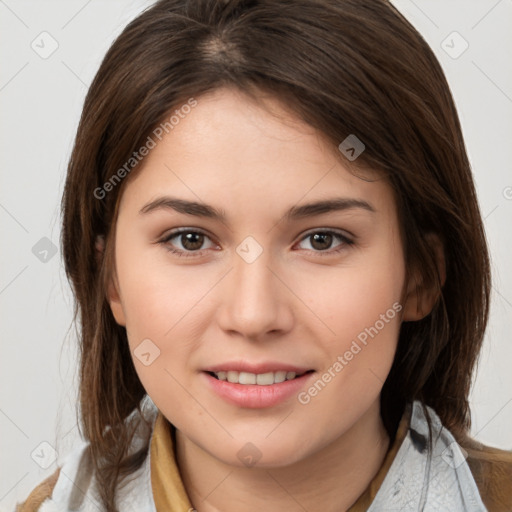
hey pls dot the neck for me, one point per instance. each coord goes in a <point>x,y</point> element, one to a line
<point>330,480</point>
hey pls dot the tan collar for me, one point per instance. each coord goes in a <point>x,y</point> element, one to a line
<point>168,490</point>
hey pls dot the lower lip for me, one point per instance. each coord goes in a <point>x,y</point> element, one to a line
<point>254,396</point>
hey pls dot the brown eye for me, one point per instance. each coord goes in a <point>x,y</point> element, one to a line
<point>191,241</point>
<point>322,241</point>
<point>186,242</point>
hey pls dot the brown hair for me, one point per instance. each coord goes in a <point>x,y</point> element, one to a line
<point>343,66</point>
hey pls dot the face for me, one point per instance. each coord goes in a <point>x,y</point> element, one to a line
<point>266,290</point>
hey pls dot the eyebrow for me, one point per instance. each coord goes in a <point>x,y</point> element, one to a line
<point>294,213</point>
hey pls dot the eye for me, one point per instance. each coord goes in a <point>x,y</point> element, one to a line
<point>321,241</point>
<point>191,242</point>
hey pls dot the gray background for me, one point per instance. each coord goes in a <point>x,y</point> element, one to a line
<point>40,102</point>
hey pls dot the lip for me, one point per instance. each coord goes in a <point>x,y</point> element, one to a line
<point>265,367</point>
<point>254,396</point>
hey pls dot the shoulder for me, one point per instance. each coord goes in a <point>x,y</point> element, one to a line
<point>60,487</point>
<point>492,470</point>
<point>481,475</point>
<point>40,493</point>
<point>74,485</point>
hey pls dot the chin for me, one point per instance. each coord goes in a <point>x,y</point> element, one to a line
<point>252,455</point>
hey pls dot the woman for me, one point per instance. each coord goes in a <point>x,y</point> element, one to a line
<point>280,268</point>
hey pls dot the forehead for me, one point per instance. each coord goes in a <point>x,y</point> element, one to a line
<point>230,151</point>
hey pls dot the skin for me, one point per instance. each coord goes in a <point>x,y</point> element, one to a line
<point>292,304</point>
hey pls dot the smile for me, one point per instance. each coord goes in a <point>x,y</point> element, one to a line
<point>260,379</point>
<point>256,390</point>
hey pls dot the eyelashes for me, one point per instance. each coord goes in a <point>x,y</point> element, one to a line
<point>198,237</point>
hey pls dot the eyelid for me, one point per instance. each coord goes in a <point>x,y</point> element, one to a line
<point>177,231</point>
<point>337,231</point>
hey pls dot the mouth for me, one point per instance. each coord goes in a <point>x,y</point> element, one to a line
<point>266,389</point>
<point>259,379</point>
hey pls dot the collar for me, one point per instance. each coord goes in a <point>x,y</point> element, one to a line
<point>168,489</point>
<point>415,476</point>
<point>412,477</point>
<point>426,477</point>
<point>169,492</point>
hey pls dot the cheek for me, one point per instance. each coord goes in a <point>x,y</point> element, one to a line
<point>156,294</point>
<point>364,312</point>
<point>354,299</point>
<point>361,306</point>
<point>153,300</point>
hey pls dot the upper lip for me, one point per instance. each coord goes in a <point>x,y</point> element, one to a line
<point>256,368</point>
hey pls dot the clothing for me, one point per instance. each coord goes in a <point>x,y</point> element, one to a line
<point>411,477</point>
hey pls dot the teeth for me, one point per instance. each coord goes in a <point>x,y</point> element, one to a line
<point>262,379</point>
<point>232,377</point>
<point>246,378</point>
<point>279,376</point>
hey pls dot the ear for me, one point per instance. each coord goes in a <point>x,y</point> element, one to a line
<point>113,286</point>
<point>421,297</point>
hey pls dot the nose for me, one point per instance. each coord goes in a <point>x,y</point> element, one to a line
<point>255,303</point>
